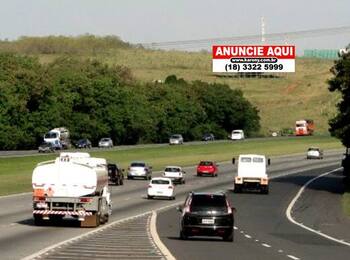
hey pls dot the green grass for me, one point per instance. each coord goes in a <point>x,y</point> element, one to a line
<point>281,100</point>
<point>16,173</point>
<point>346,202</point>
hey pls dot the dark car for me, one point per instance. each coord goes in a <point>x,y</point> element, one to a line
<point>208,137</point>
<point>46,148</point>
<point>207,214</point>
<point>83,143</point>
<point>207,168</point>
<point>115,174</point>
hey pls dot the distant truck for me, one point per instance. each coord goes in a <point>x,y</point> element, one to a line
<point>58,137</point>
<point>251,173</point>
<point>304,127</point>
<point>75,185</point>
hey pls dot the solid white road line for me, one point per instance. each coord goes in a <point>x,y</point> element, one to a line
<point>154,234</point>
<point>297,196</point>
<point>265,245</point>
<point>293,257</point>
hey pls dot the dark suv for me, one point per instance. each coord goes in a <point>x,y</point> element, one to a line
<point>207,214</point>
<point>115,174</point>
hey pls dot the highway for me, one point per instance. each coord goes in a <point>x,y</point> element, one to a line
<point>259,217</point>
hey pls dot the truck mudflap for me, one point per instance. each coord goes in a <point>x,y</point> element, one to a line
<point>61,212</point>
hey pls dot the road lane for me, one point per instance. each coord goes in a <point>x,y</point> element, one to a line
<point>128,200</point>
<point>263,230</point>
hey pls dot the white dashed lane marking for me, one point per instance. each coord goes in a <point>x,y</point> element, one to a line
<point>280,251</point>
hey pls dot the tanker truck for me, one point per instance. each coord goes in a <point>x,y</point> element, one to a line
<point>73,185</point>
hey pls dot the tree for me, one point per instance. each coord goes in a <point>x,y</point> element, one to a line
<point>340,124</point>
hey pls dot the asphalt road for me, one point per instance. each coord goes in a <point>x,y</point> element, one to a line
<point>263,231</point>
<point>22,153</point>
<point>20,238</point>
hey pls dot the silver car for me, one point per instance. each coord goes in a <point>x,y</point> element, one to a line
<point>139,169</point>
<point>105,142</point>
<point>176,139</point>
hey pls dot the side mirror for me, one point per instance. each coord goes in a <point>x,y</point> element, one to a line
<point>233,160</point>
<point>268,161</point>
<point>179,209</point>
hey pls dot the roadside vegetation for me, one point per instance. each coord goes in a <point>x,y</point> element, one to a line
<point>16,172</point>
<point>340,124</point>
<point>280,100</point>
<point>94,100</point>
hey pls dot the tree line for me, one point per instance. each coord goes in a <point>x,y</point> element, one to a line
<point>95,100</point>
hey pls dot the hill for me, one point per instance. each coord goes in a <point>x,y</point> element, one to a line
<point>281,100</point>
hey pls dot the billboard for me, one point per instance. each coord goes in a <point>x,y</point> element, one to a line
<point>253,58</point>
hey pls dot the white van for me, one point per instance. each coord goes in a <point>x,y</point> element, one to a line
<point>251,173</point>
<point>237,135</point>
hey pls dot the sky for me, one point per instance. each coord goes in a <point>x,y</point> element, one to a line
<point>147,21</point>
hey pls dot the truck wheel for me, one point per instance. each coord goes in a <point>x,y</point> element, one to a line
<point>237,189</point>
<point>121,182</point>
<point>265,190</point>
<point>38,220</point>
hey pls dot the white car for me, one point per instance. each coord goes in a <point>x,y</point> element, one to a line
<point>237,135</point>
<point>175,173</point>
<point>105,142</point>
<point>176,139</point>
<point>139,169</point>
<point>161,187</point>
<point>314,153</point>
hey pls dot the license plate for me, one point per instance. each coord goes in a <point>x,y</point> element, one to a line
<point>159,192</point>
<point>208,221</point>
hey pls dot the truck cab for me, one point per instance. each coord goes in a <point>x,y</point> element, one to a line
<point>251,173</point>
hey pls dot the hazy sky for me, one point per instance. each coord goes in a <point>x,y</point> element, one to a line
<point>167,20</point>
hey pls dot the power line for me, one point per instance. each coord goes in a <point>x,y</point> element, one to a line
<point>190,44</point>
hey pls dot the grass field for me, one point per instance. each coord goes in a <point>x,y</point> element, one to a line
<point>281,100</point>
<point>16,173</point>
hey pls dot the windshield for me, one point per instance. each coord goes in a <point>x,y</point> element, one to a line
<point>300,125</point>
<point>236,132</point>
<point>137,164</point>
<point>175,136</point>
<point>206,163</point>
<point>105,140</point>
<point>50,135</point>
<point>171,169</point>
<point>214,202</point>
<point>164,182</point>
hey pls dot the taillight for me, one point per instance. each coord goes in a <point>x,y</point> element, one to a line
<point>85,200</point>
<point>170,187</point>
<point>39,198</point>
<point>187,209</point>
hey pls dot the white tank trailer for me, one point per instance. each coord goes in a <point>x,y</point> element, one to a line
<point>75,185</point>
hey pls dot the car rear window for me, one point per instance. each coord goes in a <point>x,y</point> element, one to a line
<point>137,164</point>
<point>246,159</point>
<point>172,169</point>
<point>206,163</point>
<point>258,160</point>
<point>165,182</point>
<point>208,201</point>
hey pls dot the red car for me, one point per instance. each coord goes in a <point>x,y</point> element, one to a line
<point>207,168</point>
